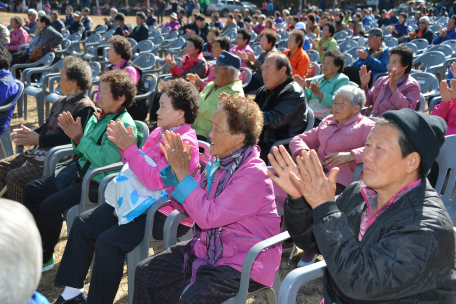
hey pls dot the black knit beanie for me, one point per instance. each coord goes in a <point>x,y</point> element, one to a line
<point>426,133</point>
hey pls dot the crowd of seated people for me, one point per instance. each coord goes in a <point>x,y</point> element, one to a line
<point>325,212</point>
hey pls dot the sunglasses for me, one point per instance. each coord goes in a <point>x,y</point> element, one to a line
<point>423,23</point>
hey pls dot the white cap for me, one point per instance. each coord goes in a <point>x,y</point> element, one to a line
<point>300,26</point>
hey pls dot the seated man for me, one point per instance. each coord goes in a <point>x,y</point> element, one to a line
<point>123,27</point>
<point>374,57</point>
<point>387,239</point>
<point>400,29</point>
<point>18,170</point>
<point>77,25</point>
<point>393,19</point>
<point>86,19</point>
<point>201,29</point>
<point>20,255</point>
<point>57,24</point>
<point>140,32</point>
<point>151,20</point>
<point>30,24</point>
<point>111,23</point>
<point>230,24</point>
<point>69,16</point>
<point>226,71</point>
<point>239,21</point>
<point>447,34</point>
<point>267,42</point>
<point>242,44</point>
<point>423,31</point>
<point>282,101</point>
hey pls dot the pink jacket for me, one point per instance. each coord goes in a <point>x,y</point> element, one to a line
<point>259,28</point>
<point>18,37</point>
<point>406,95</point>
<point>246,49</point>
<point>448,112</point>
<point>331,137</point>
<point>173,25</point>
<point>246,211</point>
<point>149,176</point>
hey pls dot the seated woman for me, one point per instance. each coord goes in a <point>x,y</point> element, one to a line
<point>23,56</point>
<point>216,22</point>
<point>193,62</point>
<point>74,83</point>
<point>211,35</point>
<point>340,138</point>
<point>18,35</point>
<point>173,23</point>
<point>396,91</point>
<point>48,197</point>
<point>326,42</point>
<point>119,55</point>
<point>400,29</point>
<point>339,24</point>
<point>111,236</point>
<point>50,39</point>
<point>269,25</point>
<point>447,108</point>
<point>387,239</point>
<point>8,87</point>
<point>319,92</point>
<point>220,44</point>
<point>298,57</point>
<point>234,198</point>
<point>312,26</point>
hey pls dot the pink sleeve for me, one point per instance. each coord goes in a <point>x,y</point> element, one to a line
<point>177,71</point>
<point>443,109</point>
<point>407,98</point>
<point>306,141</point>
<point>133,73</point>
<point>370,95</point>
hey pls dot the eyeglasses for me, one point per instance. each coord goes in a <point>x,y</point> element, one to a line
<point>218,68</point>
<point>423,22</point>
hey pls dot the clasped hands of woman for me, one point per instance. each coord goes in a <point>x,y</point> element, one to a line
<point>313,86</point>
<point>306,178</point>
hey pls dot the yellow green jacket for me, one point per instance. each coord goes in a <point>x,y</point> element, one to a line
<point>322,47</point>
<point>208,103</point>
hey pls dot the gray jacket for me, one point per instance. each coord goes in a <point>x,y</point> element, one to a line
<point>4,34</point>
<point>50,38</point>
<point>231,26</point>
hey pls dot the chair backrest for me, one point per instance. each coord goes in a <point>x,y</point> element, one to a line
<point>95,67</point>
<point>179,42</point>
<point>427,81</point>
<point>65,34</point>
<point>352,52</point>
<point>285,35</point>
<point>411,46</point>
<point>142,134</point>
<point>101,28</point>
<point>435,28</point>
<point>435,101</point>
<point>150,82</point>
<point>143,46</point>
<point>230,35</point>
<point>46,60</point>
<point>421,105</point>
<point>347,44</point>
<point>158,40</point>
<point>429,59</point>
<point>310,119</point>
<point>422,44</point>
<point>311,35</point>
<point>132,41</point>
<point>391,42</point>
<point>340,35</point>
<point>313,70</point>
<point>451,43</point>
<point>245,76</point>
<point>172,35</point>
<point>447,166</point>
<point>165,31</point>
<point>94,38</point>
<point>257,50</point>
<point>444,48</point>
<point>145,61</point>
<point>65,45</point>
<point>348,59</point>
<point>349,33</point>
<point>75,37</point>
<point>206,155</point>
<point>313,55</point>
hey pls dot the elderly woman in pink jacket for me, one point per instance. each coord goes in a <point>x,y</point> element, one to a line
<point>18,35</point>
<point>447,108</point>
<point>117,227</point>
<point>233,207</point>
<point>396,91</point>
<point>340,139</point>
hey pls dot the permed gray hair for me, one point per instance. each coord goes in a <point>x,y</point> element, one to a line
<point>21,254</point>
<point>236,72</point>
<point>426,19</point>
<point>33,12</point>
<point>354,94</point>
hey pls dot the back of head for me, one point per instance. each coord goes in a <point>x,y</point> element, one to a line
<point>20,253</point>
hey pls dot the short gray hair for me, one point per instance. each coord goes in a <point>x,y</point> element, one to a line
<point>17,20</point>
<point>41,13</point>
<point>352,93</point>
<point>114,10</point>
<point>236,72</point>
<point>33,12</point>
<point>426,19</point>
<point>262,16</point>
<point>21,254</point>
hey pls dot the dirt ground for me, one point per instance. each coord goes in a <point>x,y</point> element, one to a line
<point>311,293</point>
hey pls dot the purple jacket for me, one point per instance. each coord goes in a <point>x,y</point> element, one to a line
<point>406,95</point>
<point>332,137</point>
<point>246,211</point>
<point>173,25</point>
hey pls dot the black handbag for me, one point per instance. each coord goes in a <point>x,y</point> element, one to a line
<point>69,172</point>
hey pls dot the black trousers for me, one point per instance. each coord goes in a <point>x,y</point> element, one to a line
<point>160,279</point>
<point>19,58</point>
<point>98,230</point>
<point>47,204</point>
<point>162,15</point>
<point>254,84</point>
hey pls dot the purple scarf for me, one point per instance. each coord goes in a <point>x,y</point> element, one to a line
<point>214,236</point>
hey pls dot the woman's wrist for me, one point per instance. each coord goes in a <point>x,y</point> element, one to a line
<point>181,174</point>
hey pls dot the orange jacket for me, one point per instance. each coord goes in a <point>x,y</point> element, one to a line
<point>299,61</point>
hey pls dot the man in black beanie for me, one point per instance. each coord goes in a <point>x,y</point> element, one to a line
<point>387,239</point>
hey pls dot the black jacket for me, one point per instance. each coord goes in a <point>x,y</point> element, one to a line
<point>203,32</point>
<point>76,27</point>
<point>427,34</point>
<point>407,255</point>
<point>284,110</point>
<point>151,21</point>
<point>140,33</point>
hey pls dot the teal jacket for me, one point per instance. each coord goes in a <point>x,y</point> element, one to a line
<point>107,153</point>
<point>328,88</point>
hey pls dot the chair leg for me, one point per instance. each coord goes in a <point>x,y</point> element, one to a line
<point>48,108</point>
<point>6,143</point>
<point>133,259</point>
<point>25,105</point>
<point>40,109</point>
<point>20,105</point>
